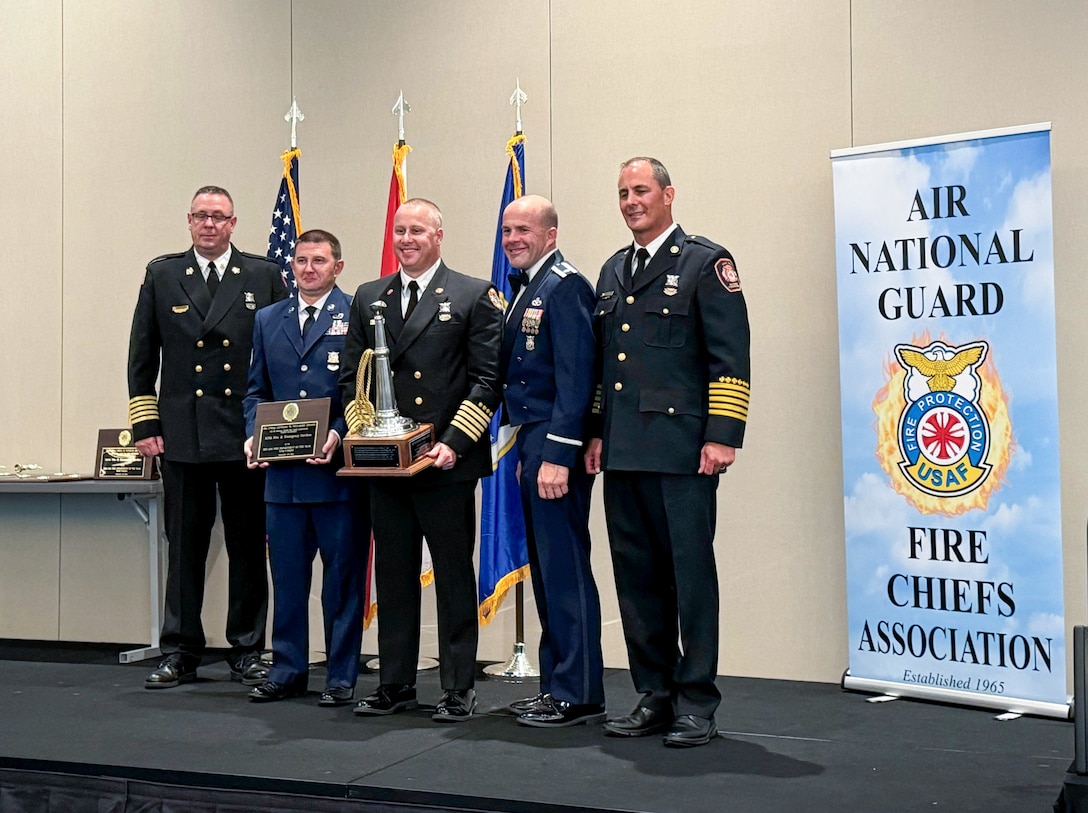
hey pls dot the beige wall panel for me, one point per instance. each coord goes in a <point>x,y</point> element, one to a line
<point>104,589</point>
<point>189,93</point>
<point>977,65</point>
<point>30,214</point>
<point>29,566</point>
<point>742,101</point>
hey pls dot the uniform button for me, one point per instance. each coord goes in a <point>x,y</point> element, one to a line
<point>619,386</point>
<point>226,342</point>
<point>419,399</point>
<point>625,327</point>
<point>519,358</point>
<point>200,393</point>
<point>672,411</point>
<point>226,367</point>
<point>418,374</point>
<point>506,386</point>
<point>200,343</point>
<point>302,393</point>
<point>622,357</point>
<point>522,383</point>
<point>227,391</point>
<point>665,311</point>
<point>304,368</point>
<point>630,300</point>
<point>199,368</point>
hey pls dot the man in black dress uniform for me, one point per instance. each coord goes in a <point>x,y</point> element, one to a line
<point>194,325</point>
<point>673,332</point>
<point>444,331</point>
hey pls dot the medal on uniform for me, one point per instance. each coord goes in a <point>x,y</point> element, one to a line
<point>672,284</point>
<point>530,325</point>
<point>251,301</point>
<point>444,308</point>
<point>333,361</point>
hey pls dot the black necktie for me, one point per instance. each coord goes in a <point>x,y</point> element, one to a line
<point>213,279</point>
<point>518,281</point>
<point>311,317</point>
<point>642,255</point>
<point>413,299</point>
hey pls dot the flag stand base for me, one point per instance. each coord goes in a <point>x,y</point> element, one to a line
<point>515,670</point>
<point>422,665</point>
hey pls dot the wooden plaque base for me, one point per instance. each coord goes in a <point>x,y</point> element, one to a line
<point>394,456</point>
<point>118,459</point>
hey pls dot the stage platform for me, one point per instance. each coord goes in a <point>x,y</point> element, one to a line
<point>79,732</point>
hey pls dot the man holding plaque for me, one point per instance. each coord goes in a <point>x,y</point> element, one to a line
<point>547,365</point>
<point>297,347</point>
<point>194,324</point>
<point>673,330</point>
<point>444,330</point>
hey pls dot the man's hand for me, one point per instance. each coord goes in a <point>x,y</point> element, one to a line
<point>551,481</point>
<point>251,460</point>
<point>443,456</point>
<point>716,458</point>
<point>332,443</point>
<point>593,456</point>
<point>149,447</point>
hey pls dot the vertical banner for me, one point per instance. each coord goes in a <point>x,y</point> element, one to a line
<point>944,266</point>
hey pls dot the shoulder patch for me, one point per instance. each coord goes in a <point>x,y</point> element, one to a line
<point>496,300</point>
<point>727,275</point>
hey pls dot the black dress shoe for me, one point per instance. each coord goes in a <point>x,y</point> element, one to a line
<point>171,671</point>
<point>456,706</point>
<point>248,669</point>
<point>336,696</point>
<point>270,691</point>
<point>560,714</point>
<point>687,731</point>
<point>641,722</point>
<point>529,703</point>
<point>388,699</point>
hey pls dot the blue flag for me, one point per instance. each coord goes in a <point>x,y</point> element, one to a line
<point>504,554</point>
<point>285,220</point>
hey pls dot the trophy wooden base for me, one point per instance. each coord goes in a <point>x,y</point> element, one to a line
<point>393,456</point>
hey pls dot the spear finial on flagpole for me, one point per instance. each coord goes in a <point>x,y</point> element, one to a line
<point>518,99</point>
<point>294,115</point>
<point>399,109</point>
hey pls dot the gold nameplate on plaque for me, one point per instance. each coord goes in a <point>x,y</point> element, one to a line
<point>118,458</point>
<point>291,430</point>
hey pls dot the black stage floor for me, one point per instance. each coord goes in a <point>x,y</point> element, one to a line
<point>785,746</point>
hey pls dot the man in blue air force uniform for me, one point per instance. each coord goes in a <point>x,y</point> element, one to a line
<point>297,347</point>
<point>673,331</point>
<point>547,366</point>
<point>194,324</point>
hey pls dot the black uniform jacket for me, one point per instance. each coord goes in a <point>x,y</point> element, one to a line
<point>203,350</point>
<point>674,369</point>
<point>445,362</point>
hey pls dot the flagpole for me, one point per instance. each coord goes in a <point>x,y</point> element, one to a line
<point>519,667</point>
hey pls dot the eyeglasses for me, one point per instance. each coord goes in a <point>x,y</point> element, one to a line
<point>218,220</point>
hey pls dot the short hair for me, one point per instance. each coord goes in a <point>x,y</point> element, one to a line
<point>423,203</point>
<point>213,190</point>
<point>661,175</point>
<point>321,236</point>
<point>542,208</point>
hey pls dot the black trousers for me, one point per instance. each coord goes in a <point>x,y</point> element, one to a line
<point>189,490</point>
<point>661,531</point>
<point>403,513</point>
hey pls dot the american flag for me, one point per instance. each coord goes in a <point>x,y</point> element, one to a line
<point>285,220</point>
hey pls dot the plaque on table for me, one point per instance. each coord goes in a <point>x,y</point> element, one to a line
<point>382,442</point>
<point>118,458</point>
<point>291,430</point>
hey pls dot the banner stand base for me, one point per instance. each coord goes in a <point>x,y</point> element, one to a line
<point>1038,708</point>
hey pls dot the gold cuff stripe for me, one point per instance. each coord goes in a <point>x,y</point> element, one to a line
<point>740,415</point>
<point>143,408</point>
<point>736,387</point>
<point>479,409</point>
<point>472,419</point>
<point>473,432</point>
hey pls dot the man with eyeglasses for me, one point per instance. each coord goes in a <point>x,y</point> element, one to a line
<point>193,331</point>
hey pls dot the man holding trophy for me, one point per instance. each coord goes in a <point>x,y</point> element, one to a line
<point>443,332</point>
